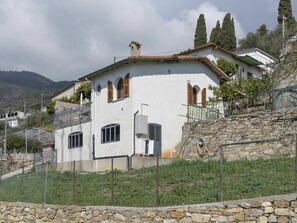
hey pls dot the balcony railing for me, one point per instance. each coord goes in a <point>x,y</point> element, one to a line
<point>73,116</point>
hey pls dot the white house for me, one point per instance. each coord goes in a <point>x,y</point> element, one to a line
<point>12,118</point>
<point>267,60</point>
<point>138,106</point>
<point>247,65</point>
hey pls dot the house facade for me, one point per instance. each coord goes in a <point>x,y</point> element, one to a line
<point>138,106</point>
<point>247,64</point>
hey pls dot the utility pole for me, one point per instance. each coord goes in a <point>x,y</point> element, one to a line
<point>5,132</point>
<point>25,106</point>
<point>41,105</point>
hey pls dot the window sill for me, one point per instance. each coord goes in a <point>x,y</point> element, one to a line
<point>117,100</point>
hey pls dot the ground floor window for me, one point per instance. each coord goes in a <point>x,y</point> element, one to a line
<point>110,133</point>
<point>75,140</point>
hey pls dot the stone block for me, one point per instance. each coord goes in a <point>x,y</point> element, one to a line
<point>233,210</point>
<point>253,212</point>
<point>272,218</point>
<point>239,216</point>
<point>284,212</point>
<point>262,219</point>
<point>177,214</point>
<point>281,204</point>
<point>268,210</point>
<point>294,204</point>
<point>200,218</point>
<point>282,219</point>
<point>266,204</point>
<point>185,220</point>
<point>119,217</point>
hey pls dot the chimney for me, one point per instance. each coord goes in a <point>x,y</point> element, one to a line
<point>135,48</point>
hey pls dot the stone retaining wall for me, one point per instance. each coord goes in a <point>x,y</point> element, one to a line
<point>261,210</point>
<point>258,135</point>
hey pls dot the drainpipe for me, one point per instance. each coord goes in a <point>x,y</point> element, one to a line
<point>108,157</point>
<point>134,146</point>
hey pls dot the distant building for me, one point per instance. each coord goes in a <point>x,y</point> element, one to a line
<point>12,118</point>
<point>69,91</point>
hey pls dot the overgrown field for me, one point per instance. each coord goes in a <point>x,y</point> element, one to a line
<point>179,183</point>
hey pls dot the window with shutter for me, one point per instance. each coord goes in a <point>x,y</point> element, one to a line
<point>190,94</point>
<point>203,97</point>
<point>110,92</point>
<point>120,87</point>
<point>126,85</point>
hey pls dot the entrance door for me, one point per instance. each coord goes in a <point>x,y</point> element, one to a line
<point>155,134</point>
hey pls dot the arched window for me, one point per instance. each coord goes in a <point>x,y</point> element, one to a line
<point>75,140</point>
<point>203,97</point>
<point>196,91</point>
<point>110,133</point>
<point>110,92</point>
<point>120,88</point>
<point>126,85</point>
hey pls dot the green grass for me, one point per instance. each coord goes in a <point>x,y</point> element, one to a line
<point>180,183</point>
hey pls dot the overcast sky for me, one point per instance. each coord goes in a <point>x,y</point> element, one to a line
<point>67,39</point>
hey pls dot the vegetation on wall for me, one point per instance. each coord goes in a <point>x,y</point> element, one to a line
<point>18,143</point>
<point>84,89</point>
<point>239,87</point>
<point>227,66</point>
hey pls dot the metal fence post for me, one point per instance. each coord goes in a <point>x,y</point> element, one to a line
<point>296,164</point>
<point>221,173</point>
<point>112,183</point>
<point>74,182</point>
<point>157,183</point>
<point>45,183</point>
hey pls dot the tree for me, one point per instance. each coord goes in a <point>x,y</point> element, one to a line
<point>215,33</point>
<point>239,87</point>
<point>200,34</point>
<point>262,31</point>
<point>18,143</point>
<point>227,37</point>
<point>50,107</point>
<point>285,9</point>
<point>228,67</point>
<point>268,41</point>
<point>84,89</point>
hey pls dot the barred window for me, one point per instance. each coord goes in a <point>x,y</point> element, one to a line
<point>75,140</point>
<point>110,133</point>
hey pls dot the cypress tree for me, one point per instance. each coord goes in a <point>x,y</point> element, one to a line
<point>200,34</point>
<point>228,38</point>
<point>215,33</point>
<point>233,36</point>
<point>285,9</point>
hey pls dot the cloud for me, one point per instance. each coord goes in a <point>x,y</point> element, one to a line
<point>64,40</point>
<point>212,14</point>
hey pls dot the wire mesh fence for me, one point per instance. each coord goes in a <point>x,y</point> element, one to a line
<point>182,182</point>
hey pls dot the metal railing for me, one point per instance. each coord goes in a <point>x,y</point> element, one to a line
<point>73,116</point>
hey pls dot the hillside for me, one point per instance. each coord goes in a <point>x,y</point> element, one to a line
<point>19,87</point>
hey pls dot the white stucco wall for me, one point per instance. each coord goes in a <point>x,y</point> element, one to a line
<point>165,94</point>
<point>163,87</point>
<point>116,112</point>
<point>64,154</point>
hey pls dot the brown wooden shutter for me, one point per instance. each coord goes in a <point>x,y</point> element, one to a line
<point>203,97</point>
<point>110,92</point>
<point>190,94</point>
<point>126,85</point>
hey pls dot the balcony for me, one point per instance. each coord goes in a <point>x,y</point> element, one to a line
<point>73,116</point>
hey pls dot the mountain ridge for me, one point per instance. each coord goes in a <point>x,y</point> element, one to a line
<point>20,89</point>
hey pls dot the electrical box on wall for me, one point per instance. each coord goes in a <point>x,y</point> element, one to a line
<point>141,125</point>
